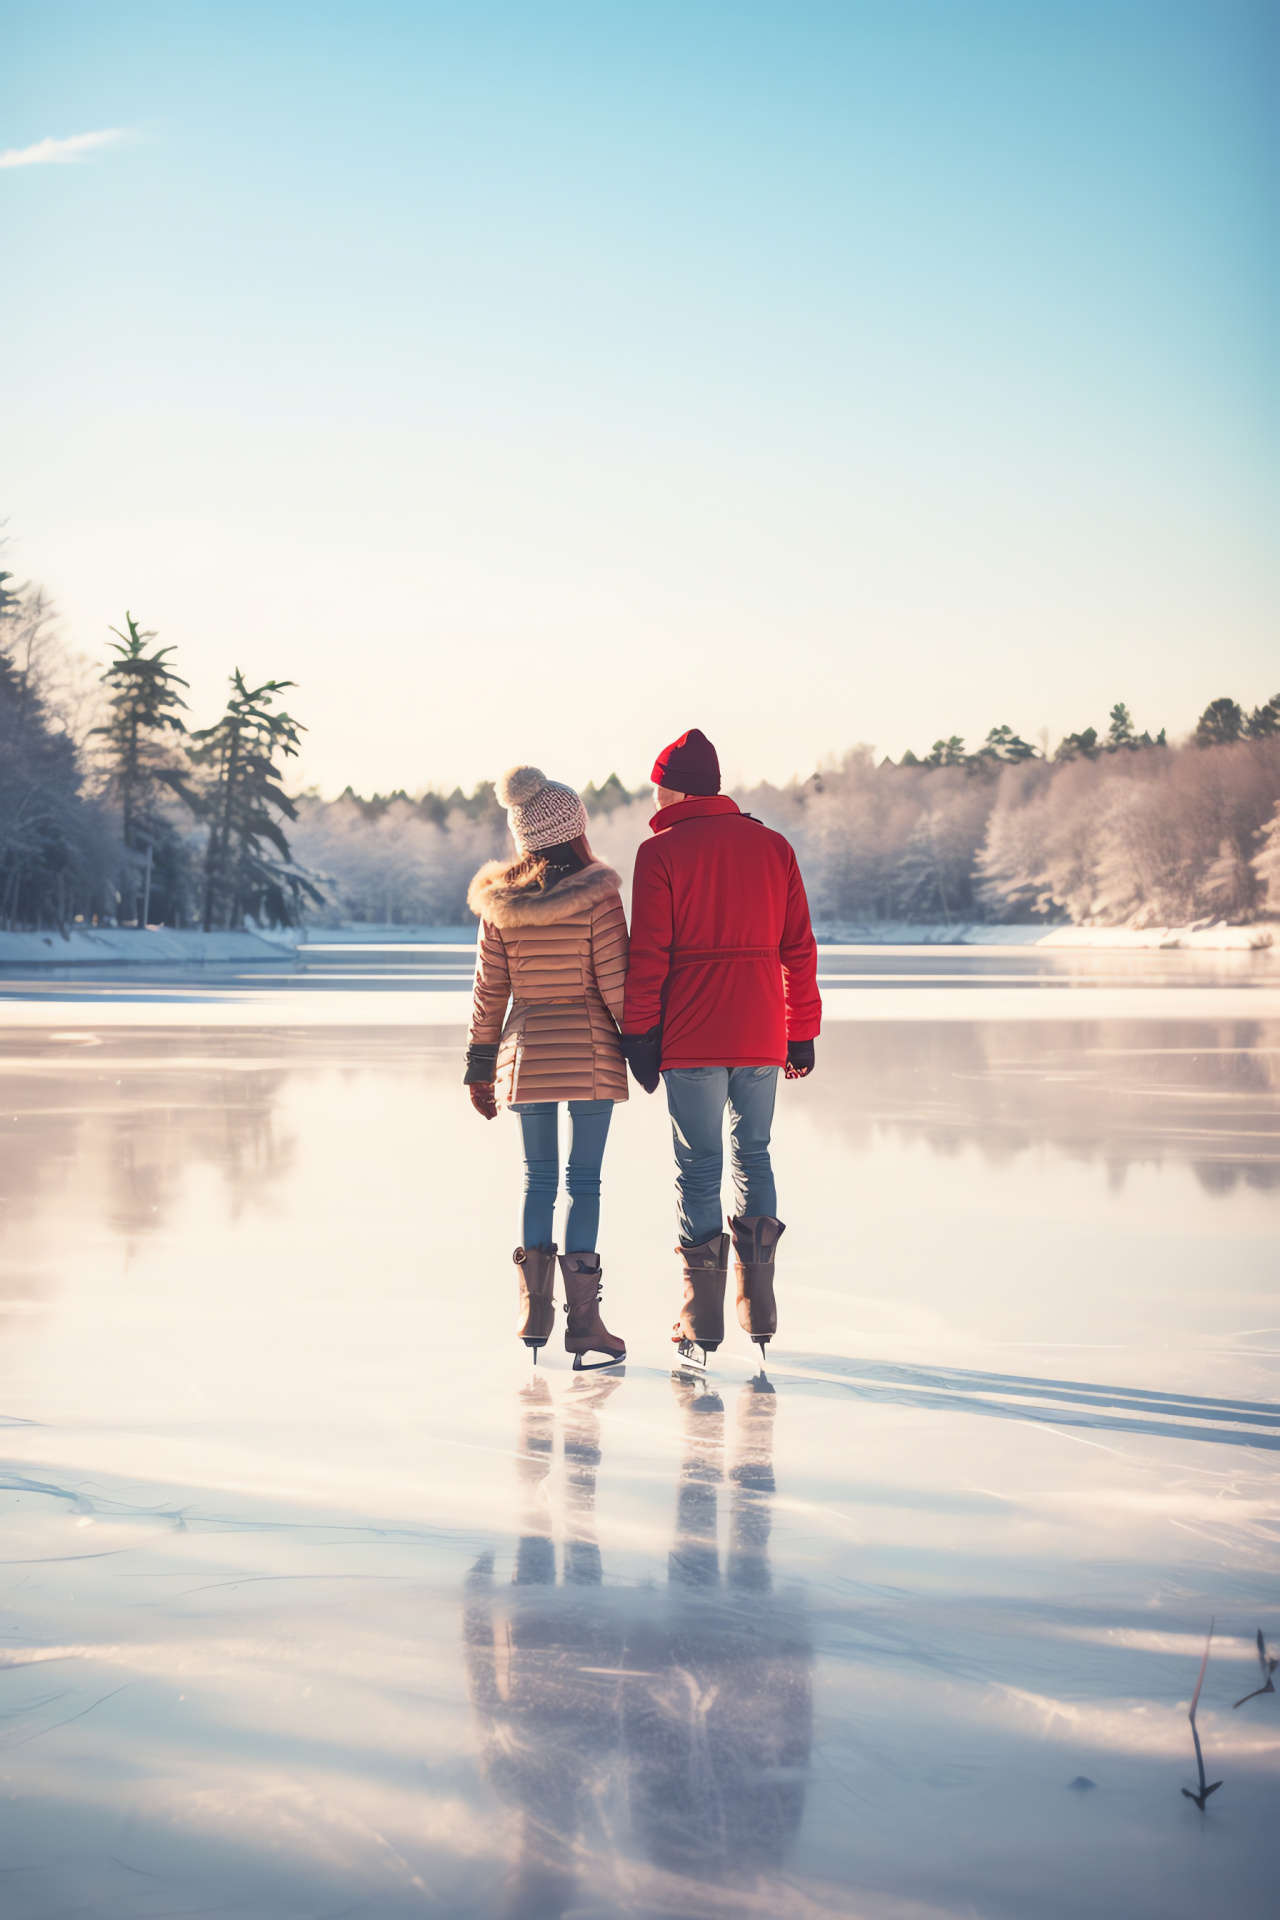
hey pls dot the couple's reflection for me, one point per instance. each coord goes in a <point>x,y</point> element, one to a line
<point>686,1708</point>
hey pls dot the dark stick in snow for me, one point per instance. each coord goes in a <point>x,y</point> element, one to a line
<point>1201,1797</point>
<point>1268,1664</point>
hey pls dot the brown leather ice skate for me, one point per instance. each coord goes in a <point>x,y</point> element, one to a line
<point>755,1237</point>
<point>537,1312</point>
<point>706,1270</point>
<point>585,1331</point>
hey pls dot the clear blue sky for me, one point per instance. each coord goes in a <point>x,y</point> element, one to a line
<point>534,381</point>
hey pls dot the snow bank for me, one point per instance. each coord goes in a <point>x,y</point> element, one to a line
<point>357,934</point>
<point>1198,938</point>
<point>147,947</point>
<point>906,933</point>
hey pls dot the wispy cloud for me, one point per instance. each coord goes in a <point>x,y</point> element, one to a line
<point>59,152</point>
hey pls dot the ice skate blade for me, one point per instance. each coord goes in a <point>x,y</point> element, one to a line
<point>691,1353</point>
<point>594,1366</point>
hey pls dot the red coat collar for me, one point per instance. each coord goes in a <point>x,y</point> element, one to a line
<point>692,809</point>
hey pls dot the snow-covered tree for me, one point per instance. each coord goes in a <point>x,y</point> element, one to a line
<point>1266,865</point>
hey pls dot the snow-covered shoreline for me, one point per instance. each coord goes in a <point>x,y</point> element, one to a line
<point>129,946</point>
<point>169,946</point>
<point>1198,938</point>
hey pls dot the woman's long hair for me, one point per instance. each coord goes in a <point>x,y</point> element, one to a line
<point>539,870</point>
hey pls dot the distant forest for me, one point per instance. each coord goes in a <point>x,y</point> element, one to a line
<point>114,810</point>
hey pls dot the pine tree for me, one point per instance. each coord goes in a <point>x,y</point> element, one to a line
<point>239,798</point>
<point>1221,722</point>
<point>1003,744</point>
<point>144,702</point>
<point>1079,746</point>
<point>1264,722</point>
<point>1121,737</point>
<point>1120,733</point>
<point>946,753</point>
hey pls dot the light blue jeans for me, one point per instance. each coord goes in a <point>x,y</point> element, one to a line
<point>588,1131</point>
<point>697,1097</point>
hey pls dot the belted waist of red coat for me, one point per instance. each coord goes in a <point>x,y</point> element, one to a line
<point>690,956</point>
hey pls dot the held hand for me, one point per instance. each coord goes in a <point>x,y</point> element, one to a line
<point>482,1099</point>
<point>643,1054</point>
<point>799,1059</point>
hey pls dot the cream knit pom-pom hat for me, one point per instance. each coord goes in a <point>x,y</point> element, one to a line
<point>542,813</point>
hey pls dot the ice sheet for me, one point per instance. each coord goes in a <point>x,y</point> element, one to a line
<point>318,1602</point>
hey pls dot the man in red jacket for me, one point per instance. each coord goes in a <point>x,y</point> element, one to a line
<point>722,991</point>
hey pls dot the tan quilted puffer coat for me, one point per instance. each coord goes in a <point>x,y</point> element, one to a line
<point>560,958</point>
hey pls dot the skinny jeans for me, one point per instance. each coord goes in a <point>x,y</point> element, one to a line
<point>540,1132</point>
<point>697,1097</point>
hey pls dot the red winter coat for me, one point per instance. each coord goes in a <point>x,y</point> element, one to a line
<point>722,952</point>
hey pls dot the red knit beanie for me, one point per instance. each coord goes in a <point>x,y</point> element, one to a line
<point>688,765</point>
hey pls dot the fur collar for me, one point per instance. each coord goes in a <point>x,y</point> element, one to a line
<point>504,906</point>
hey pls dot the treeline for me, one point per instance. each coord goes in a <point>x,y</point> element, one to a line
<point>113,808</point>
<point>397,860</point>
<point>1120,830</point>
<point>1113,828</point>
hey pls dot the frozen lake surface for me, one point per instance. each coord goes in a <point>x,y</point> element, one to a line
<point>317,1602</point>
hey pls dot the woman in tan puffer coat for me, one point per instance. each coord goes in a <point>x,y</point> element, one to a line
<point>553,947</point>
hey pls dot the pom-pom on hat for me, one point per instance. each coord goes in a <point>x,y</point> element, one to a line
<point>688,765</point>
<point>541,812</point>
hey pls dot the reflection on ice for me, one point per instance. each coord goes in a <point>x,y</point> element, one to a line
<point>823,1645</point>
<point>683,1710</point>
<point>1268,1663</point>
<point>1200,1798</point>
<point>1205,1093</point>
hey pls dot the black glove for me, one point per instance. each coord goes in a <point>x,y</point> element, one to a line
<point>799,1059</point>
<point>643,1054</point>
<point>482,1065</point>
